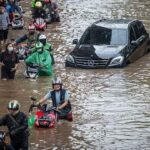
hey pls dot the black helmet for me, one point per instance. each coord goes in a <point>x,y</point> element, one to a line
<point>13,105</point>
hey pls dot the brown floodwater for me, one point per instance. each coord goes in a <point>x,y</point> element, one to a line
<point>111,107</point>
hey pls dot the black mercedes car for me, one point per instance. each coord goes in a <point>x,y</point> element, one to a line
<point>109,43</point>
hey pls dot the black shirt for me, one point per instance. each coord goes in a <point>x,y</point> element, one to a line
<point>9,59</point>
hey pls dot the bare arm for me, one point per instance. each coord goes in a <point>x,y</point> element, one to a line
<point>63,105</point>
<point>41,101</point>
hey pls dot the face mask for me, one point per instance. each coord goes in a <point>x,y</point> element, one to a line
<point>43,41</point>
<point>39,50</point>
<point>10,49</point>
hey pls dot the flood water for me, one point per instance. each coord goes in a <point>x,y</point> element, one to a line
<point>111,107</point>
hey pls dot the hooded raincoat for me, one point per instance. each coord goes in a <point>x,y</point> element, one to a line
<point>42,59</point>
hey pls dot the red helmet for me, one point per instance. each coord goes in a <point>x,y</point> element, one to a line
<point>46,1</point>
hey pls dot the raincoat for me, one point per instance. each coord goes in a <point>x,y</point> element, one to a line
<point>43,59</point>
<point>34,1</point>
<point>49,48</point>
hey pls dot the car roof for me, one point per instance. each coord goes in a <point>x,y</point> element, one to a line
<point>115,23</point>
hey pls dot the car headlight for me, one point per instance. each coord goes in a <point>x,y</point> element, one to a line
<point>70,58</point>
<point>116,61</point>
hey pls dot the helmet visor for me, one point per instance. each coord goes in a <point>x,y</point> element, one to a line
<point>14,109</point>
<point>43,41</point>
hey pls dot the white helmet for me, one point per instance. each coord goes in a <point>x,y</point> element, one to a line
<point>42,37</point>
<point>14,105</point>
<point>57,81</point>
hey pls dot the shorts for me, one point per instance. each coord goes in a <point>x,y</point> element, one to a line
<point>3,34</point>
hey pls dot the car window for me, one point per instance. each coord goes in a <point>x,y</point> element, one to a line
<point>119,37</point>
<point>132,35</point>
<point>136,30</point>
<point>96,36</point>
<point>85,39</point>
<point>104,36</point>
<point>141,28</point>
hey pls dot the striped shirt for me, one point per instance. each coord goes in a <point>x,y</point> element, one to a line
<point>4,21</point>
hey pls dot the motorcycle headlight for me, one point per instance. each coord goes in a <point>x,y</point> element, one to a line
<point>116,61</point>
<point>69,58</point>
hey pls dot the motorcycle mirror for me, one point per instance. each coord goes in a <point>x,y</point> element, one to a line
<point>33,98</point>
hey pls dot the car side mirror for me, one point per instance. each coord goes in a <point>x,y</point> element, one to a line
<point>75,41</point>
<point>134,43</point>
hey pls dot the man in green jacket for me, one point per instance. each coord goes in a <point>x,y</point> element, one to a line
<point>42,58</point>
<point>47,46</point>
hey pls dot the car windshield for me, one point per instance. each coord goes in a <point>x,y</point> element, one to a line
<point>104,36</point>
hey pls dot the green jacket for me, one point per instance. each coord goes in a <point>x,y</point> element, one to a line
<point>43,59</point>
<point>34,1</point>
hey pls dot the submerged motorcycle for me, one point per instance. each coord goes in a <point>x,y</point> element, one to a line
<point>32,71</point>
<point>23,50</point>
<point>51,16</point>
<point>17,22</point>
<point>45,116</point>
<point>40,24</point>
<point>3,144</point>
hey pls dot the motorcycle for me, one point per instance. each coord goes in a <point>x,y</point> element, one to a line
<point>17,22</point>
<point>48,16</point>
<point>3,144</point>
<point>2,139</point>
<point>51,15</point>
<point>45,116</point>
<point>22,51</point>
<point>40,24</point>
<point>32,71</point>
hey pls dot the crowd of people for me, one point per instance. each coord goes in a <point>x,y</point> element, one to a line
<point>17,121</point>
<point>40,52</point>
<point>38,46</point>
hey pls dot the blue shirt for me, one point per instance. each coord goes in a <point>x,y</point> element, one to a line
<point>48,96</point>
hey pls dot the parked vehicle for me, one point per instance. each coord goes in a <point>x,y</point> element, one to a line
<point>110,43</point>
